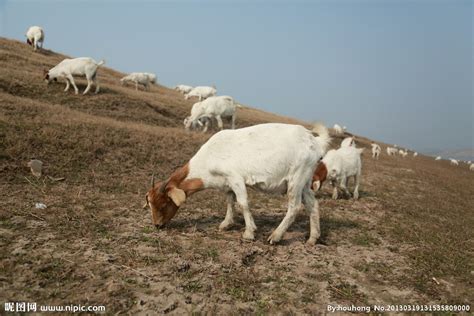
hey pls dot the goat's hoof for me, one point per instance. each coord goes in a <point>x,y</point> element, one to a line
<point>311,241</point>
<point>248,235</point>
<point>274,238</point>
<point>225,225</point>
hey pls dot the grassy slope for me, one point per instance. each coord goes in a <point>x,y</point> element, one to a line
<point>95,245</point>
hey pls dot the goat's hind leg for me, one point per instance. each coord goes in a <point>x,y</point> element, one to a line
<point>96,82</point>
<point>312,208</point>
<point>89,84</point>
<point>294,202</point>
<point>356,187</point>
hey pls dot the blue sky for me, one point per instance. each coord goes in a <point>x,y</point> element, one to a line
<point>397,71</point>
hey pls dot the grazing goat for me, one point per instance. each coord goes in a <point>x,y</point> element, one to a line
<point>218,107</point>
<point>415,154</point>
<point>338,166</point>
<point>438,158</point>
<point>34,36</point>
<point>82,66</point>
<point>183,88</point>
<point>272,157</point>
<point>201,92</point>
<point>392,151</point>
<point>376,150</point>
<point>338,129</point>
<point>143,78</point>
<point>348,141</point>
<point>453,162</point>
<point>471,167</point>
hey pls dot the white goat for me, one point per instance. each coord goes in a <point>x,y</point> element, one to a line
<point>272,157</point>
<point>438,158</point>
<point>340,165</point>
<point>415,154</point>
<point>403,153</point>
<point>201,92</point>
<point>338,129</point>
<point>34,36</point>
<point>376,150</point>
<point>183,88</point>
<point>454,162</point>
<point>471,167</point>
<point>218,107</point>
<point>392,151</point>
<point>143,78</point>
<point>348,141</point>
<point>82,66</point>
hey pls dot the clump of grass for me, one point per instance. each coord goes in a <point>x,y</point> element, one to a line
<point>365,239</point>
<point>344,291</point>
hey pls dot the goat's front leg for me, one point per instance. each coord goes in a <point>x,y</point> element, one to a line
<point>67,85</point>
<point>219,122</point>
<point>334,192</point>
<point>229,216</point>
<point>206,126</point>
<point>71,79</point>
<point>241,196</point>
<point>233,121</point>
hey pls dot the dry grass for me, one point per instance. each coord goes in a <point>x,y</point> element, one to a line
<point>95,245</point>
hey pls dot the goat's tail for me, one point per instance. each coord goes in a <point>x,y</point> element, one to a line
<point>100,63</point>
<point>323,136</point>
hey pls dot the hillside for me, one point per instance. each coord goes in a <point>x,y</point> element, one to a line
<point>94,244</point>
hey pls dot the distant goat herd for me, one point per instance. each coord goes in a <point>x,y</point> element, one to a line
<point>278,158</point>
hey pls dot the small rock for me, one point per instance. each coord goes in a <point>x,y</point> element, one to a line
<point>183,266</point>
<point>36,166</point>
<point>40,206</point>
<point>170,307</point>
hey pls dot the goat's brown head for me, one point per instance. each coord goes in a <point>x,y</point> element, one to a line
<point>164,199</point>
<point>46,75</point>
<point>319,176</point>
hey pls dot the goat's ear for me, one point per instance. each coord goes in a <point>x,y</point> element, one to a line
<point>177,195</point>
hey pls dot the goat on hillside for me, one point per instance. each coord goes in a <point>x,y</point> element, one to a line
<point>338,166</point>
<point>270,157</point>
<point>213,107</point>
<point>34,36</point>
<point>82,66</point>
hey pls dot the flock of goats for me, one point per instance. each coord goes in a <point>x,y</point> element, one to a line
<point>271,157</point>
